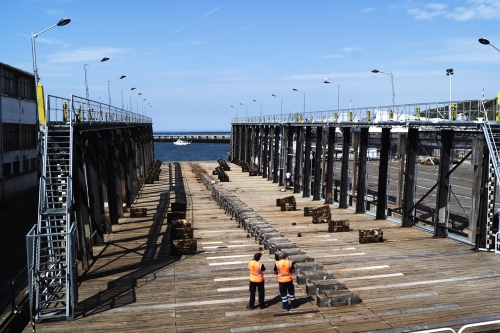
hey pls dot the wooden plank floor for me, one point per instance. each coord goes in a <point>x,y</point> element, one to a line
<point>410,282</point>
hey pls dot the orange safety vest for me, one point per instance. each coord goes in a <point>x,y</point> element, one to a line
<point>256,274</point>
<point>284,270</point>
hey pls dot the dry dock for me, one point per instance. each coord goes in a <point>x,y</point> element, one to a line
<point>410,282</point>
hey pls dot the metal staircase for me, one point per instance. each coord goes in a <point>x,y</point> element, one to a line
<point>492,135</point>
<point>51,244</point>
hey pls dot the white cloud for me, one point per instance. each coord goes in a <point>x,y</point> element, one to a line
<point>351,49</point>
<point>473,9</point>
<point>367,10</point>
<point>331,56</point>
<point>210,12</point>
<point>87,54</point>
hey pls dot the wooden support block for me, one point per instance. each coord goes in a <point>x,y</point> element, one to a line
<point>338,226</point>
<point>371,236</point>
<point>305,277</point>
<point>138,212</point>
<point>185,246</point>
<point>182,233</point>
<point>307,211</point>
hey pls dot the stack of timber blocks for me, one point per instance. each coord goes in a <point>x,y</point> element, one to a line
<point>183,241</point>
<point>153,172</point>
<point>287,203</point>
<point>371,236</point>
<point>321,214</point>
<point>338,226</point>
<point>138,212</point>
<point>328,291</point>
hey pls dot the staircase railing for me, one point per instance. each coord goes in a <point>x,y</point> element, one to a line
<point>491,143</point>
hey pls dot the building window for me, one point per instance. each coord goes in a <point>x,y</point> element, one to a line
<point>27,88</point>
<point>10,136</point>
<point>8,82</point>
<point>28,135</point>
<point>6,170</point>
<point>15,168</point>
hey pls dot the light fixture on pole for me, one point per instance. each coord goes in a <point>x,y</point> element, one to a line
<point>281,108</point>
<point>131,101</point>
<point>304,98</point>
<point>484,41</point>
<point>392,83</point>
<point>246,115</point>
<point>109,89</point>
<point>260,107</point>
<point>449,72</point>
<point>61,23</point>
<point>142,106</point>
<point>85,69</point>
<point>122,97</point>
<point>338,94</point>
<point>236,111</point>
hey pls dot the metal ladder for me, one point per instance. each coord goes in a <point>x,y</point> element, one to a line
<point>51,243</point>
<point>492,137</point>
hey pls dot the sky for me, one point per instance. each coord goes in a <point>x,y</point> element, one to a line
<point>200,63</point>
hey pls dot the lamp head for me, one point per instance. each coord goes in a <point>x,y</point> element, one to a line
<point>241,103</point>
<point>139,94</point>
<point>122,77</point>
<point>295,89</point>
<point>484,41</point>
<point>326,81</point>
<point>375,71</point>
<point>63,22</point>
<point>132,88</point>
<point>449,71</point>
<point>273,95</point>
<point>104,59</point>
<point>254,100</point>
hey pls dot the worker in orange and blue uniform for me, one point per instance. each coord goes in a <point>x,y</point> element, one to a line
<point>284,269</point>
<point>256,281</point>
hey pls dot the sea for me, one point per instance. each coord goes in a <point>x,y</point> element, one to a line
<point>168,152</point>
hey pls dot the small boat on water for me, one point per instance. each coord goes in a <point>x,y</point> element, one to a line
<point>181,142</point>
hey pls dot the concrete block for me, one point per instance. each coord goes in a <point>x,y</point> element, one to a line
<point>305,277</point>
<point>301,258</point>
<point>320,287</point>
<point>307,266</point>
<point>337,298</point>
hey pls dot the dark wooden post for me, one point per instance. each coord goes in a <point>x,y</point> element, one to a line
<point>443,189</point>
<point>329,165</point>
<point>298,159</point>
<point>307,165</point>
<point>344,172</point>
<point>409,176</point>
<point>317,164</point>
<point>383,174</point>
<point>361,190</point>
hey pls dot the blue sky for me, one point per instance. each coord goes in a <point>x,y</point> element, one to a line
<point>193,60</point>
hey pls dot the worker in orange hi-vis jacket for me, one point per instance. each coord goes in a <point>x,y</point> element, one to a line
<point>284,269</point>
<point>256,281</point>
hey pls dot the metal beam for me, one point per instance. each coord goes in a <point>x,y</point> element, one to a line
<point>361,189</point>
<point>344,172</point>
<point>298,159</point>
<point>383,174</point>
<point>329,167</point>
<point>409,177</point>
<point>307,165</point>
<point>317,163</point>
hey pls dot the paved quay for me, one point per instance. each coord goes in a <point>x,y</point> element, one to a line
<point>410,282</point>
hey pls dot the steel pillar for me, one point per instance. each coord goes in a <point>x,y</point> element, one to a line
<point>478,145</point>
<point>276,172</point>
<point>265,157</point>
<point>298,159</point>
<point>443,188</point>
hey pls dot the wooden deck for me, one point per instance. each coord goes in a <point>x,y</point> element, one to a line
<point>410,282</point>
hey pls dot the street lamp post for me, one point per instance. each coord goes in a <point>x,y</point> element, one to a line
<point>281,109</point>
<point>260,107</point>
<point>109,89</point>
<point>338,94</point>
<point>392,83</point>
<point>236,111</point>
<point>122,97</point>
<point>142,106</point>
<point>85,69</point>
<point>61,23</point>
<point>449,72</point>
<point>304,99</point>
<point>246,114</point>
<point>131,101</point>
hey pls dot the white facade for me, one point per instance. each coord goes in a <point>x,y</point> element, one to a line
<point>18,134</point>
